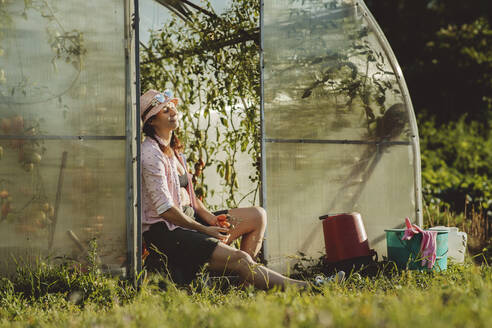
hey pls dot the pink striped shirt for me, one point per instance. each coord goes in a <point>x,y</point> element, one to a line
<point>160,184</point>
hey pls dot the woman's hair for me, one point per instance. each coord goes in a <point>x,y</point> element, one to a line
<point>175,145</point>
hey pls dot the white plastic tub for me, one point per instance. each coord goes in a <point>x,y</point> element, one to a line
<point>456,243</point>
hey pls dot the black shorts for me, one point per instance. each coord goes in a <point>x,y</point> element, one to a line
<point>180,253</point>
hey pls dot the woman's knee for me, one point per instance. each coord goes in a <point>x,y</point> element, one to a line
<point>242,262</point>
<point>228,257</point>
<point>261,216</point>
<point>240,257</point>
<point>239,261</point>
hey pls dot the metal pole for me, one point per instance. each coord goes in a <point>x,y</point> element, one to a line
<point>138,138</point>
<point>263,197</point>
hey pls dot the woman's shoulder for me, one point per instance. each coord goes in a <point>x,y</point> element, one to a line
<point>149,144</point>
<point>150,150</point>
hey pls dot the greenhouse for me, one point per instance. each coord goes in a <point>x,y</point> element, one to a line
<point>338,131</point>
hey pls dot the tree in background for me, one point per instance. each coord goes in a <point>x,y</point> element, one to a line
<point>445,50</point>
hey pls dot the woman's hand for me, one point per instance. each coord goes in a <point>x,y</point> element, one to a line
<point>212,220</point>
<point>220,233</point>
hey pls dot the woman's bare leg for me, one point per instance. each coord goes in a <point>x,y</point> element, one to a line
<point>229,259</point>
<point>251,225</point>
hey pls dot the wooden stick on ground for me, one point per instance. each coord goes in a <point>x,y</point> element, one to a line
<point>57,201</point>
<point>76,240</point>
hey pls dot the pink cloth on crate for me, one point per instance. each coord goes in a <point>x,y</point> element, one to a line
<point>428,244</point>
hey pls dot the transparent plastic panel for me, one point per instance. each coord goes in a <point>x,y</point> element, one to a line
<point>327,76</point>
<point>306,181</point>
<point>338,129</point>
<point>62,64</point>
<point>91,194</point>
<point>62,90</point>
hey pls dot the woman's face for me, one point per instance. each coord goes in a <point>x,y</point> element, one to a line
<point>166,119</point>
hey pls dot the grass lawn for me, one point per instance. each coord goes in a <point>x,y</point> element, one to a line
<point>53,297</point>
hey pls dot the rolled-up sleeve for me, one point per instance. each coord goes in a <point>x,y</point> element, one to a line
<point>155,181</point>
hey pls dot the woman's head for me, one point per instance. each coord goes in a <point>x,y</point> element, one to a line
<point>159,115</point>
<point>154,102</point>
<point>166,119</point>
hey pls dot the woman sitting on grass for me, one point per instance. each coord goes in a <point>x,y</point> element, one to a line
<point>179,231</point>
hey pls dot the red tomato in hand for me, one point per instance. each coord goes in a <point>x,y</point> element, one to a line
<point>222,218</point>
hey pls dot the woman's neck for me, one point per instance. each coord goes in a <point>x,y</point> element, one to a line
<point>165,135</point>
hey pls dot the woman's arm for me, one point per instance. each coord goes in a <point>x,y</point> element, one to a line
<point>155,181</point>
<point>198,206</point>
<point>178,218</point>
<point>203,213</point>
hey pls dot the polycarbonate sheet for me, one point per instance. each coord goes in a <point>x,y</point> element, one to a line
<point>339,132</point>
<point>92,203</point>
<point>306,181</point>
<point>63,88</point>
<point>327,76</point>
<point>63,66</point>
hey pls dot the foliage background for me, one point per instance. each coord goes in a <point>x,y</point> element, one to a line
<point>212,63</point>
